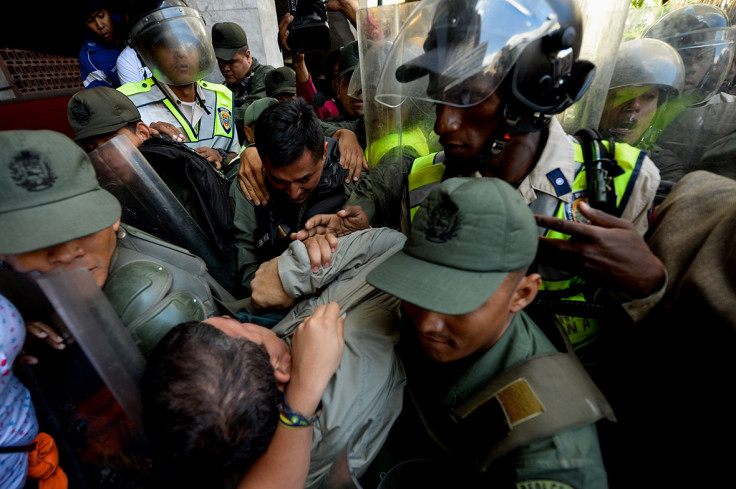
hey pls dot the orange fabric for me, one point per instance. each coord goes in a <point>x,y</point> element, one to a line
<point>43,464</point>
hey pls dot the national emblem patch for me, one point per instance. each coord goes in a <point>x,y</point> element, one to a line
<point>226,119</point>
<point>31,172</point>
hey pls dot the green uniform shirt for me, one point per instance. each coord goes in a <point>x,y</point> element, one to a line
<point>251,88</point>
<point>571,458</point>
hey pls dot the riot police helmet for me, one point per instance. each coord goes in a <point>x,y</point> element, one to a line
<point>529,49</point>
<point>703,38</point>
<point>649,62</point>
<point>172,41</point>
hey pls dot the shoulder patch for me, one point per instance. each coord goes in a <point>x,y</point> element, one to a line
<point>543,484</point>
<point>226,118</point>
<point>558,180</point>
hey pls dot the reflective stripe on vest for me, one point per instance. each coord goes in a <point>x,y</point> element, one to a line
<point>584,331</point>
<point>217,125</point>
<point>426,172</point>
<point>413,138</point>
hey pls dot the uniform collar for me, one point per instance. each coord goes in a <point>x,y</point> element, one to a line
<point>555,163</point>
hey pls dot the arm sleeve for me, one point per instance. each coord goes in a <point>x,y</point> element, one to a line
<point>244,219</point>
<point>353,251</point>
<point>130,68</point>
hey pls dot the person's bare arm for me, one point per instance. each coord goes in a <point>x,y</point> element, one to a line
<point>317,348</point>
<point>349,8</point>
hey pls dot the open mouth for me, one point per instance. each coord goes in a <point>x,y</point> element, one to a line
<point>625,127</point>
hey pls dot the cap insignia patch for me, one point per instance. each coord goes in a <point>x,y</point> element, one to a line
<point>80,112</point>
<point>31,172</point>
<point>441,225</point>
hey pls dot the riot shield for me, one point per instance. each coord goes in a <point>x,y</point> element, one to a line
<point>603,23</point>
<point>148,204</point>
<point>395,134</point>
<point>704,119</point>
<point>87,396</point>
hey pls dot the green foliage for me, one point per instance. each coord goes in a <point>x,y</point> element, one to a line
<point>645,3</point>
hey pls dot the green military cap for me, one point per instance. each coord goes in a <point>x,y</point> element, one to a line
<point>255,109</point>
<point>280,80</point>
<point>50,192</point>
<point>466,237</point>
<point>99,111</point>
<point>227,39</point>
<point>349,58</point>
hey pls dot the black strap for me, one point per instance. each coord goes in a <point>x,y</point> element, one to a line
<point>600,170</point>
<point>19,449</point>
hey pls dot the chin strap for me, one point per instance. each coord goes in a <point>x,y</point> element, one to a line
<point>513,123</point>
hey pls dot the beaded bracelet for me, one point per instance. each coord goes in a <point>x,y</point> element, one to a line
<point>292,419</point>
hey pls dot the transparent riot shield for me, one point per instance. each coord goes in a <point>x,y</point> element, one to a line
<point>148,204</point>
<point>395,135</point>
<point>603,23</point>
<point>696,130</point>
<point>87,396</point>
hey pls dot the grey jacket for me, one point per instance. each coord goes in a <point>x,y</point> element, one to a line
<point>368,385</point>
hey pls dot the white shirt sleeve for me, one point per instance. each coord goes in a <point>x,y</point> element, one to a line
<point>129,66</point>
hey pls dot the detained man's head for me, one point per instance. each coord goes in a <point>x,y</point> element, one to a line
<point>462,273</point>
<point>292,147</point>
<point>101,113</point>
<point>54,212</point>
<point>211,392</point>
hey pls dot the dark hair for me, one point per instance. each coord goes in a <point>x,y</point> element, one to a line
<point>285,130</point>
<point>210,401</point>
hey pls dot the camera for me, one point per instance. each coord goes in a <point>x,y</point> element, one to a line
<point>309,31</point>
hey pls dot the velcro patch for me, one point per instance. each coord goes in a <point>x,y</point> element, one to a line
<point>519,402</point>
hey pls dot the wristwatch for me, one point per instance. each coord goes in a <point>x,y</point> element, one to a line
<point>223,154</point>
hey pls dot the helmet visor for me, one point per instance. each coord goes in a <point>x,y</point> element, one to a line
<point>174,44</point>
<point>446,43</point>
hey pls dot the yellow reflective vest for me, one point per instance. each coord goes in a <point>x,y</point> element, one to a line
<point>216,127</point>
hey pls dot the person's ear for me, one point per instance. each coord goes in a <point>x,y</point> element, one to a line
<point>248,134</point>
<point>143,131</point>
<point>282,375</point>
<point>525,292</point>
